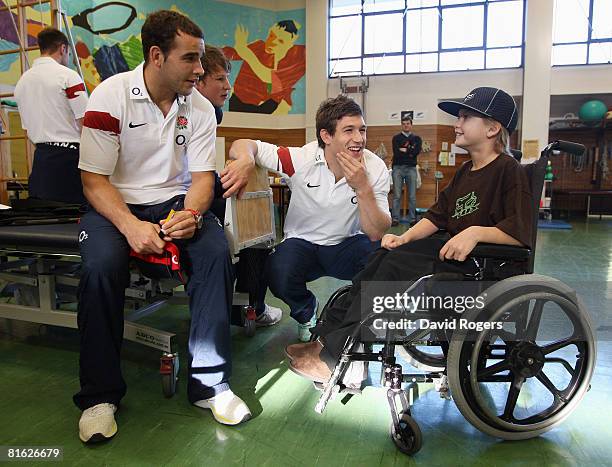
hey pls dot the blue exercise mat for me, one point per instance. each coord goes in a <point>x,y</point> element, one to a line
<point>553,224</point>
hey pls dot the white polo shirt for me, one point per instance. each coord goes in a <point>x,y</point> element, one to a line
<point>148,157</point>
<point>51,97</point>
<point>321,210</point>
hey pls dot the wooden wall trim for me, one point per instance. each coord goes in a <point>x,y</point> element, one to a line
<point>294,137</point>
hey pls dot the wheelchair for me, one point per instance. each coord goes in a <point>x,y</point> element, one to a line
<point>545,345</point>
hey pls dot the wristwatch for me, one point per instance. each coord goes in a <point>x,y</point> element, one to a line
<point>197,217</point>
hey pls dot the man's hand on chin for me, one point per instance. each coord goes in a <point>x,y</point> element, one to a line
<point>354,170</point>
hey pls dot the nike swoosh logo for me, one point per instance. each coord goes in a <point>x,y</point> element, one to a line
<point>132,125</point>
<point>312,186</point>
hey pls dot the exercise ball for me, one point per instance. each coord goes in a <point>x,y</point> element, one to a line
<point>592,110</point>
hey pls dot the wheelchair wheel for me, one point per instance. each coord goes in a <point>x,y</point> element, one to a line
<point>420,358</point>
<point>524,378</point>
<point>407,436</point>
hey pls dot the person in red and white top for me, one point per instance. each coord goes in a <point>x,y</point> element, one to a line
<point>52,100</point>
<point>338,210</point>
<point>147,161</point>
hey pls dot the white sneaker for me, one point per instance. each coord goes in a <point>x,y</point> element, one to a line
<point>269,317</point>
<point>97,423</point>
<point>304,328</point>
<point>227,408</point>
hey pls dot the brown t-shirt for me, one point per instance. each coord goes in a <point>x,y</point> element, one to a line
<point>497,195</point>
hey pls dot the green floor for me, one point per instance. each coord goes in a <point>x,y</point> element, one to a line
<point>39,374</point>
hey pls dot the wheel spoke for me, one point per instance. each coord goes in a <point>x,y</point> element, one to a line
<point>548,384</point>
<point>533,324</point>
<point>505,336</point>
<point>550,348</point>
<point>521,321</point>
<point>513,393</point>
<point>493,369</point>
<point>569,368</point>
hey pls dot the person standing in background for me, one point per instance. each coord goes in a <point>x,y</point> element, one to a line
<point>406,148</point>
<point>52,100</point>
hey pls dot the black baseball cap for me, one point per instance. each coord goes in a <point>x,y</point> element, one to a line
<point>489,102</point>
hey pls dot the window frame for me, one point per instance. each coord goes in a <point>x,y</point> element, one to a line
<point>588,42</point>
<point>331,61</point>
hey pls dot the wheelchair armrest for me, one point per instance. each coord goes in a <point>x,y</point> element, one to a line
<point>494,251</point>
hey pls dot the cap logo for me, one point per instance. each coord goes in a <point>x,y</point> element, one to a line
<point>468,97</point>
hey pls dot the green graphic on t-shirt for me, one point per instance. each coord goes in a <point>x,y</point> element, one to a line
<point>466,205</point>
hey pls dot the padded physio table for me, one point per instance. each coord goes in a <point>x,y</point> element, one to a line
<point>44,258</point>
<point>61,237</point>
<point>40,263</point>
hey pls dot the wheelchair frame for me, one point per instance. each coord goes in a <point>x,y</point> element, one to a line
<point>465,362</point>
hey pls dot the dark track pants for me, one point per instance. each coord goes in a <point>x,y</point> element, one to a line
<point>295,262</point>
<point>55,173</point>
<point>105,276</point>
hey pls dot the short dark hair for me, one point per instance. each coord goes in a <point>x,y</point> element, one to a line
<point>161,27</point>
<point>289,26</point>
<point>407,118</point>
<point>51,39</point>
<point>331,110</point>
<point>214,59</point>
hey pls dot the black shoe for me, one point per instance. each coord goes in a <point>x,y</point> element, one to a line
<point>394,222</point>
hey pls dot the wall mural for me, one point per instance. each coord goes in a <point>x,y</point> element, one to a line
<point>266,47</point>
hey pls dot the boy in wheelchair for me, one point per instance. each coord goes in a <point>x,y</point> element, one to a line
<point>488,200</point>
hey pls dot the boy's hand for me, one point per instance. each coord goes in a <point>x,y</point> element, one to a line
<point>460,246</point>
<point>390,241</point>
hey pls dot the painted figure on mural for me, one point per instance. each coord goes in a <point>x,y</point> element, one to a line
<point>270,69</point>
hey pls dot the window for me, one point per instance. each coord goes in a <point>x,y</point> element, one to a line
<point>582,32</point>
<point>370,37</point>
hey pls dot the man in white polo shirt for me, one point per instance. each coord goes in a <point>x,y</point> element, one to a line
<point>148,158</point>
<point>52,100</point>
<point>338,210</point>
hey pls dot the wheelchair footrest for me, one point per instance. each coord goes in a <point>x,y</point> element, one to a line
<point>340,389</point>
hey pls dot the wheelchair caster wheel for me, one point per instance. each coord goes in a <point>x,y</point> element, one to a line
<point>168,370</point>
<point>407,436</point>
